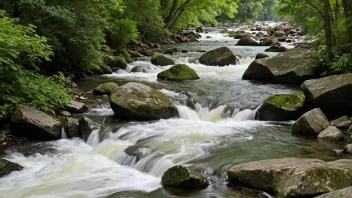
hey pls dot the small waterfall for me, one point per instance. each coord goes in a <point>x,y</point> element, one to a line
<point>142,67</point>
<point>63,133</point>
<point>100,109</point>
<point>201,113</point>
<point>246,114</point>
<point>244,61</point>
<point>93,138</point>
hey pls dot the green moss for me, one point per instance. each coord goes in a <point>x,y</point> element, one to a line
<point>286,101</point>
<point>179,176</point>
<point>106,69</point>
<point>124,53</point>
<point>178,72</point>
<point>97,70</point>
<point>156,55</point>
<point>224,31</point>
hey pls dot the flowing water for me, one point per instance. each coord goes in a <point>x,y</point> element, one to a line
<point>216,128</point>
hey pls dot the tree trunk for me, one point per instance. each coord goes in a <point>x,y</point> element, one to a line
<point>347,9</point>
<point>327,28</point>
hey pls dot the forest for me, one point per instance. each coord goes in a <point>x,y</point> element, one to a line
<point>45,44</point>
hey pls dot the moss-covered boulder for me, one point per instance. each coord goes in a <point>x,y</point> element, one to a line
<point>261,56</point>
<point>71,126</point>
<point>6,167</point>
<point>115,62</point>
<point>106,69</point>
<point>311,123</point>
<point>182,177</point>
<point>218,57</point>
<point>332,94</point>
<point>293,177</point>
<point>125,54</point>
<point>29,122</point>
<point>247,41</point>
<point>161,60</point>
<point>331,133</point>
<point>282,107</point>
<point>178,72</point>
<point>291,67</point>
<point>343,193</point>
<point>106,88</point>
<point>135,101</point>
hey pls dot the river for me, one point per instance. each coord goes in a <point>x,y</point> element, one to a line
<point>216,129</point>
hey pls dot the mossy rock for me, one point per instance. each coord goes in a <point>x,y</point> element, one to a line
<point>181,177</point>
<point>6,167</point>
<point>247,41</point>
<point>225,31</point>
<point>97,70</point>
<point>106,88</point>
<point>311,123</point>
<point>135,101</point>
<point>178,72</point>
<point>124,53</point>
<point>282,107</point>
<point>343,193</point>
<point>106,69</point>
<point>161,60</point>
<point>116,62</point>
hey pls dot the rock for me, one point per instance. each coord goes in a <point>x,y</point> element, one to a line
<point>72,128</point>
<point>178,72</point>
<point>143,45</point>
<point>331,94</point>
<point>64,113</point>
<point>184,51</point>
<point>339,120</point>
<point>31,123</point>
<point>311,123</point>
<point>6,167</point>
<point>87,126</point>
<point>276,48</point>
<point>293,177</point>
<point>147,52</point>
<point>116,62</point>
<point>350,129</point>
<point>161,60</point>
<point>135,101</point>
<point>106,69</point>
<point>282,107</point>
<point>106,88</point>
<point>289,67</point>
<point>344,125</point>
<point>218,57</point>
<point>259,34</point>
<point>348,149</point>
<point>331,133</point>
<point>225,31</point>
<point>135,53</point>
<point>282,39</point>
<point>343,193</point>
<point>268,41</point>
<point>199,29</point>
<point>240,36</point>
<point>182,177</point>
<point>76,107</point>
<point>261,56</point>
<point>279,33</point>
<point>247,41</point>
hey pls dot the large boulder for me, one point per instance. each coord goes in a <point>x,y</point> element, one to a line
<point>311,123</point>
<point>182,177</point>
<point>279,33</point>
<point>116,62</point>
<point>268,41</point>
<point>291,67</point>
<point>161,60</point>
<point>6,167</point>
<point>331,133</point>
<point>31,123</point>
<point>247,41</point>
<point>218,57</point>
<point>178,72</point>
<point>261,56</point>
<point>332,94</point>
<point>76,107</point>
<point>292,177</point>
<point>282,107</point>
<point>343,193</point>
<point>135,101</point>
<point>106,88</point>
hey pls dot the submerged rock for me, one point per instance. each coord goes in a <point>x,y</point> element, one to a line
<point>331,133</point>
<point>182,177</point>
<point>247,41</point>
<point>76,107</point>
<point>293,177</point>
<point>311,123</point>
<point>6,167</point>
<point>332,94</point>
<point>106,88</point>
<point>291,67</point>
<point>343,193</point>
<point>135,101</point>
<point>178,72</point>
<point>282,107</point>
<point>31,123</point>
<point>218,57</point>
<point>161,60</point>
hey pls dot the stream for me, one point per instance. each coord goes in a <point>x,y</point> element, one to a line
<point>215,130</point>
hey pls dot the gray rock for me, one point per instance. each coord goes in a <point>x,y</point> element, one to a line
<point>343,193</point>
<point>350,129</point>
<point>106,88</point>
<point>291,67</point>
<point>218,57</point>
<point>331,133</point>
<point>339,120</point>
<point>293,177</point>
<point>344,125</point>
<point>331,94</point>
<point>261,56</point>
<point>182,177</point>
<point>76,107</point>
<point>282,107</point>
<point>6,167</point>
<point>311,123</point>
<point>87,126</point>
<point>268,41</point>
<point>31,123</point>
<point>348,149</point>
<point>72,128</point>
<point>247,41</point>
<point>276,48</point>
<point>279,33</point>
<point>161,60</point>
<point>135,101</point>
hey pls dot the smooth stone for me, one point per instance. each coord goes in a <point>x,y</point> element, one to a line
<point>331,133</point>
<point>76,107</point>
<point>311,123</point>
